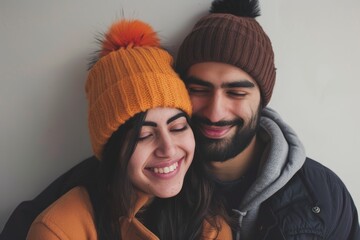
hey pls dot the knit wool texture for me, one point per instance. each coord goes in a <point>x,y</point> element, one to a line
<point>234,40</point>
<point>126,82</point>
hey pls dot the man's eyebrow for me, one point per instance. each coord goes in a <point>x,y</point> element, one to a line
<point>238,84</point>
<point>197,81</point>
<point>173,118</point>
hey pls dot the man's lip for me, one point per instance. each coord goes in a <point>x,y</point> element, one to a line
<point>215,132</point>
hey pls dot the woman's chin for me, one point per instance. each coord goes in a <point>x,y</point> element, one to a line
<point>169,193</point>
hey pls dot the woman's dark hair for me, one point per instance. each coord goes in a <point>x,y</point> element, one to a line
<point>112,194</point>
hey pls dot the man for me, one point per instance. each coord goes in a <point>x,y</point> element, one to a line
<point>258,163</point>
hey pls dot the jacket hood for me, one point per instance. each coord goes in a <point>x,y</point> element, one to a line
<point>284,155</point>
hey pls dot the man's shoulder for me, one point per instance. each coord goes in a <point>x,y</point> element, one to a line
<point>314,169</point>
<point>321,182</point>
<point>314,183</point>
<point>315,201</point>
<point>307,180</point>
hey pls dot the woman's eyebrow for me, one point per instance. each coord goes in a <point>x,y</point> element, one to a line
<point>150,124</point>
<point>173,118</point>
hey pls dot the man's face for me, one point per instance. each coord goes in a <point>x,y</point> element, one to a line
<point>226,109</point>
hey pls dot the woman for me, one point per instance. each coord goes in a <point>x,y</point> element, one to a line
<point>139,129</point>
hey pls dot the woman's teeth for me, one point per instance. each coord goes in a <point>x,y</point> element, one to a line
<point>165,170</point>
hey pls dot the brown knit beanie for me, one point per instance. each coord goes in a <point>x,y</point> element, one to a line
<point>230,34</point>
<point>132,75</point>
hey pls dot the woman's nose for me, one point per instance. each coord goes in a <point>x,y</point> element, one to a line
<point>166,147</point>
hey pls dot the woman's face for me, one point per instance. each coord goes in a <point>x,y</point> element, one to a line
<point>163,154</point>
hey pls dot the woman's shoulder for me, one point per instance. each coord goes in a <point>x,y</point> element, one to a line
<point>70,217</point>
<point>73,204</point>
<point>222,232</point>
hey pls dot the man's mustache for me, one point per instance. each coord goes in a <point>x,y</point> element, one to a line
<point>205,121</point>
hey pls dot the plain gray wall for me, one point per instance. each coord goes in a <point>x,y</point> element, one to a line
<point>45,46</point>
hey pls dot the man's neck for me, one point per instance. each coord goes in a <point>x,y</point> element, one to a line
<point>232,169</point>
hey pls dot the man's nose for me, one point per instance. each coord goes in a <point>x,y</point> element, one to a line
<point>215,109</point>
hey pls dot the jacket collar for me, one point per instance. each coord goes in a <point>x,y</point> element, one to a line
<point>131,227</point>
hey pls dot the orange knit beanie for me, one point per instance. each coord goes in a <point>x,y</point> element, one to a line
<point>132,75</point>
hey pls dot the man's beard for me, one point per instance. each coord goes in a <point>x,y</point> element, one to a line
<point>220,150</point>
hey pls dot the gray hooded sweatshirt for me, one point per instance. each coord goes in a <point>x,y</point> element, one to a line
<point>284,155</point>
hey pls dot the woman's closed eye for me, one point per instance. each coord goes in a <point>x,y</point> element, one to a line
<point>144,135</point>
<point>179,127</point>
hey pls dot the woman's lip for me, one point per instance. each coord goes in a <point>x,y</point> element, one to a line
<point>166,172</point>
<point>166,164</point>
<point>215,132</point>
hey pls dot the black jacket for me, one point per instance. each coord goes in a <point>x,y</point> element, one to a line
<point>314,204</point>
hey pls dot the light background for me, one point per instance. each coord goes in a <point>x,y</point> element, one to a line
<point>45,47</point>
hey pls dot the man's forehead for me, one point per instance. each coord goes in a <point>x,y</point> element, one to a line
<point>229,83</point>
<point>209,75</point>
<point>217,72</point>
